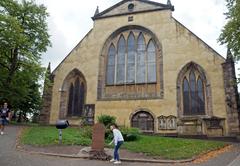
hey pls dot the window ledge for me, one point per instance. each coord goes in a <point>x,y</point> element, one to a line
<point>129,98</point>
<point>123,84</point>
<point>74,117</point>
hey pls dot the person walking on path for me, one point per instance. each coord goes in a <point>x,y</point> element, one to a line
<point>118,141</point>
<point>4,117</point>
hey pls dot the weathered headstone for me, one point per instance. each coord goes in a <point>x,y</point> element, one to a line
<point>98,137</point>
<point>97,148</point>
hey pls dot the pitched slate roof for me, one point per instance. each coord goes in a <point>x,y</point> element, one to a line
<point>139,6</point>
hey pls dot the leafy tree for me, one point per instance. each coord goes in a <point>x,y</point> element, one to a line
<point>231,32</point>
<point>23,38</point>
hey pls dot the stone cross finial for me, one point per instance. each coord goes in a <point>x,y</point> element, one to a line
<point>169,3</point>
<point>96,11</point>
<point>49,67</point>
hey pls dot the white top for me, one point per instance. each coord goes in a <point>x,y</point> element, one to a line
<point>117,136</point>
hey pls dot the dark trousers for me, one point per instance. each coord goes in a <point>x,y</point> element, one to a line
<point>116,155</point>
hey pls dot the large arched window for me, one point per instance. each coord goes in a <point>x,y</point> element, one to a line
<point>73,95</point>
<point>131,65</point>
<point>76,98</point>
<point>135,60</point>
<point>193,94</point>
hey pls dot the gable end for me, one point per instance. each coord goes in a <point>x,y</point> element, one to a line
<point>152,6</point>
<point>219,55</point>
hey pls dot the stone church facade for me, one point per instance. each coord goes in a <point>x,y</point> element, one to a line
<point>141,65</point>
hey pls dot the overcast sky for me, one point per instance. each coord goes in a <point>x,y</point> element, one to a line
<point>70,20</point>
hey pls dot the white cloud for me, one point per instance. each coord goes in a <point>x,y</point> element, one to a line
<point>205,18</point>
<point>70,20</point>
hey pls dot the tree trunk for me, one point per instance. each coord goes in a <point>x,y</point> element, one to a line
<point>13,67</point>
<point>20,117</point>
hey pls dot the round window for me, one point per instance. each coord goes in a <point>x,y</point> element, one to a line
<point>130,7</point>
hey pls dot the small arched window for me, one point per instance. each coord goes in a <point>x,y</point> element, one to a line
<point>144,121</point>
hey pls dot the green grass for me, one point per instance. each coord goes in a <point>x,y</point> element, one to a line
<point>172,148</point>
<point>49,136</point>
<point>162,147</point>
<point>24,123</point>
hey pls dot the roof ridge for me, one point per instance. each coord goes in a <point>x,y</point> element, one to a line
<point>165,6</point>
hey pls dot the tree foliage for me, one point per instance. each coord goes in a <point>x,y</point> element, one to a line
<point>107,120</point>
<point>231,32</point>
<point>23,38</point>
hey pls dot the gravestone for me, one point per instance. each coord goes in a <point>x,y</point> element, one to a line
<point>97,148</point>
<point>98,137</point>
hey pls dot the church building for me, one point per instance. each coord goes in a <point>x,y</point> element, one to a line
<point>141,65</point>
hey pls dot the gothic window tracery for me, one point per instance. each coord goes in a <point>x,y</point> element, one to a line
<point>193,94</point>
<point>135,60</point>
<point>76,97</point>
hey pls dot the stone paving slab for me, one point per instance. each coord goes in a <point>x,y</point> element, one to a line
<point>235,162</point>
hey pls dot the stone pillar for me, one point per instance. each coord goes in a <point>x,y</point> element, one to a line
<point>231,94</point>
<point>44,116</point>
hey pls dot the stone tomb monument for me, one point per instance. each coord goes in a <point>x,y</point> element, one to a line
<point>97,148</point>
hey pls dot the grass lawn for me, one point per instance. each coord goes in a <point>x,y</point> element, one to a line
<point>168,148</point>
<point>40,136</point>
<point>172,148</point>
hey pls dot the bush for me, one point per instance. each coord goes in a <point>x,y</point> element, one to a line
<point>130,130</point>
<point>107,120</point>
<point>130,134</point>
<point>131,137</point>
<point>108,135</point>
